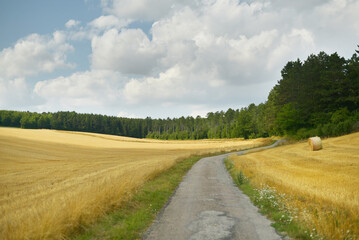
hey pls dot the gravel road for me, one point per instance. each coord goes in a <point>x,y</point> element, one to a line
<point>207,205</point>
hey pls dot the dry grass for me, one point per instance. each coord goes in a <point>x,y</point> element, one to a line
<point>52,182</point>
<point>322,187</point>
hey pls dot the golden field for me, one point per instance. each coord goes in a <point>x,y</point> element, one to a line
<point>321,187</point>
<point>52,182</point>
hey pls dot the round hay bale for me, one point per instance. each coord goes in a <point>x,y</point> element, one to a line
<point>315,143</point>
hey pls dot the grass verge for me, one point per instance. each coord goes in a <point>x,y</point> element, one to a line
<point>132,218</point>
<point>271,204</point>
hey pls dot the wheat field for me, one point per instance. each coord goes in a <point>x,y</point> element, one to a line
<point>52,182</point>
<point>321,187</point>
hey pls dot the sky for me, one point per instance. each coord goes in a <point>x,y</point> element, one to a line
<point>160,58</point>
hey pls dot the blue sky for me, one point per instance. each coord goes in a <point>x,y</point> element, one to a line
<point>160,58</point>
<point>20,18</point>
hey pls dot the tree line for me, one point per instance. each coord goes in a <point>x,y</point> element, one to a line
<point>72,121</point>
<point>319,96</point>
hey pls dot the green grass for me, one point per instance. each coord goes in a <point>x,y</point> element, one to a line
<point>132,219</point>
<point>270,204</point>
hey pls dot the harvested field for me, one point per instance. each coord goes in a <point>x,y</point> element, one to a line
<point>52,182</point>
<point>321,187</point>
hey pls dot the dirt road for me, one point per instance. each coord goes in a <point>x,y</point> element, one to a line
<point>207,205</point>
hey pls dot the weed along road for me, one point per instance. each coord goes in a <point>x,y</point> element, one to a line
<point>207,205</point>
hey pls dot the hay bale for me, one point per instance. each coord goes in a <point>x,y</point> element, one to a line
<point>315,143</point>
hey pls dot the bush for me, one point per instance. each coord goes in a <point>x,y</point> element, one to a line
<point>340,115</point>
<point>252,136</point>
<point>240,178</point>
<point>333,129</point>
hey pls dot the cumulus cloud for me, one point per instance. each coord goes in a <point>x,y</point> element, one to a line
<point>96,27</point>
<point>197,56</point>
<point>339,17</point>
<point>128,51</point>
<point>108,22</point>
<point>303,5</point>
<point>15,94</point>
<point>300,39</point>
<point>82,89</point>
<point>142,10</point>
<point>168,86</point>
<point>72,23</point>
<point>35,53</point>
<point>197,51</point>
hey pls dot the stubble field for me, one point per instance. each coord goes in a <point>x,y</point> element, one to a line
<point>321,188</point>
<point>52,182</point>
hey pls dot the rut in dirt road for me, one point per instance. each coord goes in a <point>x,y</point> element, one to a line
<point>207,205</point>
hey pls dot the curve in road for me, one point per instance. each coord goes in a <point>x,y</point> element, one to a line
<point>208,205</point>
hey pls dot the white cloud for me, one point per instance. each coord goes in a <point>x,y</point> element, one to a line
<point>129,51</point>
<point>108,22</point>
<point>126,115</point>
<point>199,55</point>
<point>97,27</point>
<point>182,25</point>
<point>333,7</point>
<point>339,16</point>
<point>15,94</point>
<point>34,54</point>
<point>90,89</point>
<point>300,6</point>
<point>301,40</point>
<point>197,52</point>
<point>142,9</point>
<point>72,23</point>
<point>166,88</point>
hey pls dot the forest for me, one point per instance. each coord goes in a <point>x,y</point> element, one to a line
<point>319,96</point>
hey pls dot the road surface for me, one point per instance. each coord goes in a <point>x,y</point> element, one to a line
<point>207,205</point>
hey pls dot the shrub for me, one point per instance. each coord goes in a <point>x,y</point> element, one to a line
<point>240,178</point>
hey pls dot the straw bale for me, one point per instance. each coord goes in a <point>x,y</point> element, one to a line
<point>315,143</point>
